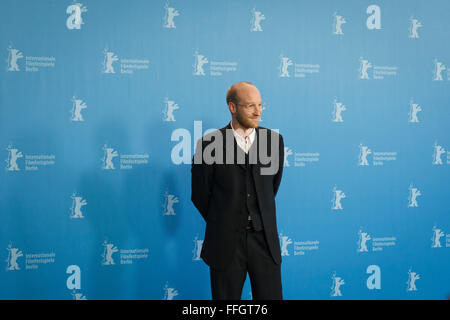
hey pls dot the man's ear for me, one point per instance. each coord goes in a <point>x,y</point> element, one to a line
<point>232,107</point>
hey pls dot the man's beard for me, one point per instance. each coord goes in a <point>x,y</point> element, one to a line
<point>247,123</point>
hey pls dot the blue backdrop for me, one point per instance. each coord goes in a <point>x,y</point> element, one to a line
<point>101,103</point>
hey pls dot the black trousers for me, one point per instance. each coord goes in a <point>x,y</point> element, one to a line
<point>252,255</point>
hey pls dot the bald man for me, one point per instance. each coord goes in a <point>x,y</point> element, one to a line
<point>236,173</point>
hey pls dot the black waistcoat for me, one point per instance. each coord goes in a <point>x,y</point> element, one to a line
<point>251,201</point>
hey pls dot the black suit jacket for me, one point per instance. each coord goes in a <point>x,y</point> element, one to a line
<point>218,192</point>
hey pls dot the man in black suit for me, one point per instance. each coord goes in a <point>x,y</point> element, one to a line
<point>236,172</point>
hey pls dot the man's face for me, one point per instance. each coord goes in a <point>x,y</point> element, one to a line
<point>247,110</point>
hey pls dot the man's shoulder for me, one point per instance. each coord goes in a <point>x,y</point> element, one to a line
<point>211,136</point>
<point>273,133</point>
<point>208,137</point>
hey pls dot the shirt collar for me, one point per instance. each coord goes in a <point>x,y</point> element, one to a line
<point>251,136</point>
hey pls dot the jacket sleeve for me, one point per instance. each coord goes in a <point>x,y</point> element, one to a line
<point>201,181</point>
<point>279,174</point>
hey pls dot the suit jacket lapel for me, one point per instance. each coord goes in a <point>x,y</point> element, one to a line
<point>256,145</point>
